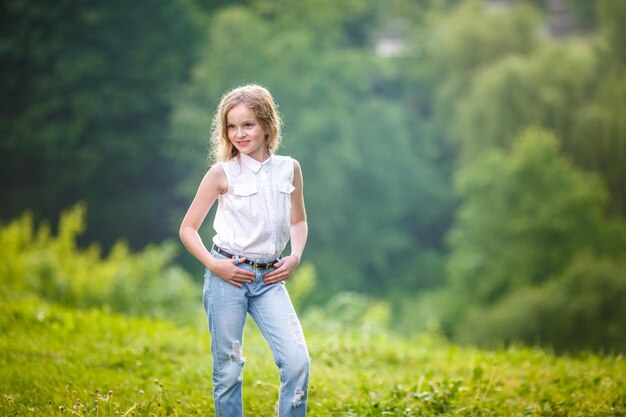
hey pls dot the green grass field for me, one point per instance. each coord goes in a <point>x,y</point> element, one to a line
<point>56,361</point>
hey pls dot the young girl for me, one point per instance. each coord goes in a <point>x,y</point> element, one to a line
<point>260,207</point>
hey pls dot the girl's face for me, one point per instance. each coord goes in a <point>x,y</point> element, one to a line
<point>246,132</point>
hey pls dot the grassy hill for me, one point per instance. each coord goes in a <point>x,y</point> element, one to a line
<point>58,361</point>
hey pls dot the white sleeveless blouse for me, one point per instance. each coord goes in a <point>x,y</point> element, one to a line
<point>253,217</point>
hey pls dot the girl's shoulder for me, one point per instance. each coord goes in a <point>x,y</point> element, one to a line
<point>229,162</point>
<point>282,158</point>
<point>289,166</point>
<point>286,160</point>
<point>232,167</point>
<point>216,176</point>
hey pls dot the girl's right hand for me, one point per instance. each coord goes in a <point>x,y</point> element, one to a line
<point>231,273</point>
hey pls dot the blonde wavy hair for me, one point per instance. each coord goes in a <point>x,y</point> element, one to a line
<point>260,101</point>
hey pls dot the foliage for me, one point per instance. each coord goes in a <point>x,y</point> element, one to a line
<point>582,308</point>
<point>469,38</point>
<point>302,284</point>
<point>522,90</point>
<point>33,261</point>
<point>462,43</point>
<point>524,217</point>
<point>55,361</point>
<point>351,310</point>
<point>86,93</point>
<point>574,87</point>
<point>612,14</point>
<point>599,135</point>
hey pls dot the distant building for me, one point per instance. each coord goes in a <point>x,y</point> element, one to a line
<point>392,43</point>
<point>561,22</point>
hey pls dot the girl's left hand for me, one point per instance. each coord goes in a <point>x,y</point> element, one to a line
<point>283,270</point>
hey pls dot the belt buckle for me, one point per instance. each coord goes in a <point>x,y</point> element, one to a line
<point>255,264</point>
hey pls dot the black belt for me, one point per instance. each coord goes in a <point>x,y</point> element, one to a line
<point>257,265</point>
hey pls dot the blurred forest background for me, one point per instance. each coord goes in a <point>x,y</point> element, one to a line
<point>464,161</point>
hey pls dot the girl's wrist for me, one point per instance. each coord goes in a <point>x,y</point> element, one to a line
<point>210,264</point>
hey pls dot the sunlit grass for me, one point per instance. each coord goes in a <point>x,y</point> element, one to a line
<point>55,361</point>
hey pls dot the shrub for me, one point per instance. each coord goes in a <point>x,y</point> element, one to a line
<point>583,308</point>
<point>33,260</point>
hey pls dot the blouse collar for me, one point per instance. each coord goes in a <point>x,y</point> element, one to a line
<point>252,164</point>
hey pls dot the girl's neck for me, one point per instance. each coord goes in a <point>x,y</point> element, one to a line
<point>261,157</point>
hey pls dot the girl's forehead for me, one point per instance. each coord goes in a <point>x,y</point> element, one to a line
<point>240,111</point>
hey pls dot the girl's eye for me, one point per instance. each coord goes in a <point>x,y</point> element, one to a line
<point>248,124</point>
<point>231,126</point>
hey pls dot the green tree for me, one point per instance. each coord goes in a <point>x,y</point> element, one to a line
<point>462,42</point>
<point>599,135</point>
<point>542,88</point>
<point>524,216</point>
<point>599,139</point>
<point>86,93</point>
<point>612,14</point>
<point>575,88</point>
<point>582,308</point>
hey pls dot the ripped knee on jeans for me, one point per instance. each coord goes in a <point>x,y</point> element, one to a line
<point>236,353</point>
<point>297,398</point>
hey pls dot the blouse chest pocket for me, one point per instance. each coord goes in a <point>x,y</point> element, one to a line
<point>241,198</point>
<point>283,200</point>
<point>245,190</point>
<point>286,187</point>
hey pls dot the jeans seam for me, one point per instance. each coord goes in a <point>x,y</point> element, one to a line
<point>270,337</point>
<point>215,339</point>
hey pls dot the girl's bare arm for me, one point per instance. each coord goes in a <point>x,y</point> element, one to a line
<point>213,184</point>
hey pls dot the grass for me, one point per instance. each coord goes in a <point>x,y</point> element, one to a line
<point>58,361</point>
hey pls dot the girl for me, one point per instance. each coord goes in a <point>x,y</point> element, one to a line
<point>260,207</point>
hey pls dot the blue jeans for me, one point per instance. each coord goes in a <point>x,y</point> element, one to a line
<point>226,306</point>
